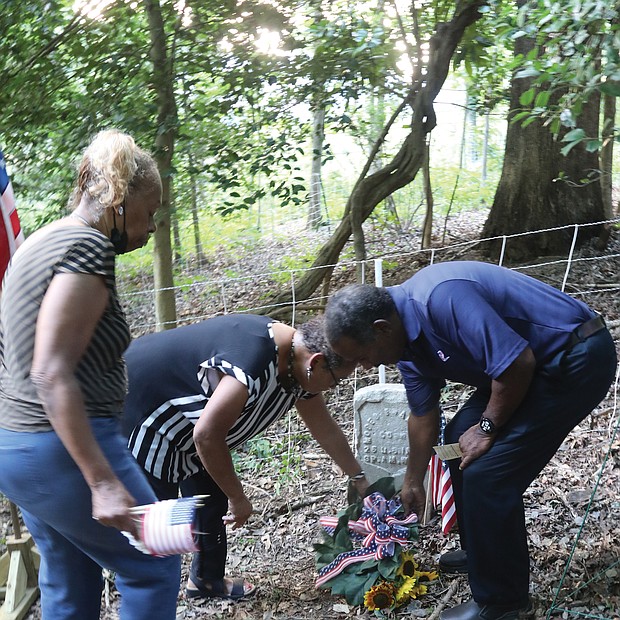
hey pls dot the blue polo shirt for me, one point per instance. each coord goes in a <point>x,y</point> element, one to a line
<point>468,321</point>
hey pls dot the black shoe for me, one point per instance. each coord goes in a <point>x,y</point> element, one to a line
<point>472,611</point>
<point>453,562</point>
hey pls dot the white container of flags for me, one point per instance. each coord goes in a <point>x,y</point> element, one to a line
<point>167,527</point>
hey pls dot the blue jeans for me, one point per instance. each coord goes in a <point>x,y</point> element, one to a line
<point>489,492</point>
<point>43,480</point>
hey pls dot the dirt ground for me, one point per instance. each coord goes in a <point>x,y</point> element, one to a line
<point>292,483</point>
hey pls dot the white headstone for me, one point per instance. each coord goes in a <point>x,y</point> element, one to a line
<point>381,440</point>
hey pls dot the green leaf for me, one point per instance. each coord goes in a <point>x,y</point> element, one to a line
<point>565,150</point>
<point>356,590</point>
<point>322,548</point>
<point>519,116</point>
<point>388,567</point>
<point>542,99</point>
<point>575,135</point>
<point>528,72</point>
<point>527,97</point>
<point>593,145</point>
<point>352,586</point>
<point>370,564</point>
<point>610,88</point>
<point>342,541</point>
<point>385,486</point>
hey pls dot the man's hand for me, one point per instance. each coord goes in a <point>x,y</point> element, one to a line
<point>474,443</point>
<point>413,499</point>
<point>240,511</point>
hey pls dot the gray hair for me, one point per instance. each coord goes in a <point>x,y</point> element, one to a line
<point>315,340</point>
<point>352,311</point>
<point>111,167</point>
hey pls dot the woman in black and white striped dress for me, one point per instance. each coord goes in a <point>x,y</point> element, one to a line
<point>199,391</point>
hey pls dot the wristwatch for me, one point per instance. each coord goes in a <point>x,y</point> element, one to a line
<point>487,426</point>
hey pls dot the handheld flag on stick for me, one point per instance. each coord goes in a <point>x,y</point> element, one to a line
<point>167,527</point>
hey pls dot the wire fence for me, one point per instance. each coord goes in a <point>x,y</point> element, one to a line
<point>203,296</point>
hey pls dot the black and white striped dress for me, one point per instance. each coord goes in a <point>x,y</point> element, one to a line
<point>172,375</point>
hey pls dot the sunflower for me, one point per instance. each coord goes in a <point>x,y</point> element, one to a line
<point>408,565</point>
<point>380,596</point>
<point>403,593</point>
<point>418,589</point>
<point>430,575</point>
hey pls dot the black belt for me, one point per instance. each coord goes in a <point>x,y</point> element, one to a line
<point>585,330</point>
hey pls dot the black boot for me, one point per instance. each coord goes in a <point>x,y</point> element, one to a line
<point>453,562</point>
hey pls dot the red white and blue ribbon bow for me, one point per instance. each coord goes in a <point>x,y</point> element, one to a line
<point>378,529</point>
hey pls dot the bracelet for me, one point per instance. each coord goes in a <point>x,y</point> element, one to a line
<point>359,476</point>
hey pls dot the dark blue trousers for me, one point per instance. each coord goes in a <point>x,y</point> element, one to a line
<point>209,563</point>
<point>489,492</point>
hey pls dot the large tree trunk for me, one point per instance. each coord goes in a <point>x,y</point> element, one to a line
<point>165,310</point>
<point>371,189</point>
<point>532,196</point>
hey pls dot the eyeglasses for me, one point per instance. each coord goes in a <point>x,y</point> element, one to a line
<point>334,377</point>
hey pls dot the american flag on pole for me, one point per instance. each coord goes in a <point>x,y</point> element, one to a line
<point>11,235</point>
<point>168,526</point>
<point>440,486</point>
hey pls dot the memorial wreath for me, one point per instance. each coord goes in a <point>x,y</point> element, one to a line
<point>367,552</point>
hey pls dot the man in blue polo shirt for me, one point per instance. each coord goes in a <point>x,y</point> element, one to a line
<point>540,362</point>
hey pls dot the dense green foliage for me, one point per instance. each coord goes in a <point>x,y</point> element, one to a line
<point>245,77</point>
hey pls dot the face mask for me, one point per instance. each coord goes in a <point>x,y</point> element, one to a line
<point>119,239</point>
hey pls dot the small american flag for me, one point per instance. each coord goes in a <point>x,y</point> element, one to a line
<point>440,486</point>
<point>168,526</point>
<point>442,495</point>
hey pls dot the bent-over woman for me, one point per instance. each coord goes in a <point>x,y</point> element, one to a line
<point>199,391</point>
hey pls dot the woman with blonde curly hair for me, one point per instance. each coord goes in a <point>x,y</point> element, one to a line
<point>62,385</point>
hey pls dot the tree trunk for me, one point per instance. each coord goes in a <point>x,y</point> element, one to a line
<point>371,189</point>
<point>377,123</point>
<point>316,184</point>
<point>427,229</point>
<point>174,219</point>
<point>607,153</point>
<point>607,159</point>
<point>165,310</point>
<point>531,195</point>
<point>200,257</point>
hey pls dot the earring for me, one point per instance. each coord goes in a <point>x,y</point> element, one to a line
<point>121,210</point>
<point>309,372</point>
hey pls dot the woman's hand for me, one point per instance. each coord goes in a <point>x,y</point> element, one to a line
<point>111,503</point>
<point>240,511</point>
<point>361,485</point>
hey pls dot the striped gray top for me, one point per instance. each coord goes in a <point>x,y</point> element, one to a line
<point>101,372</point>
